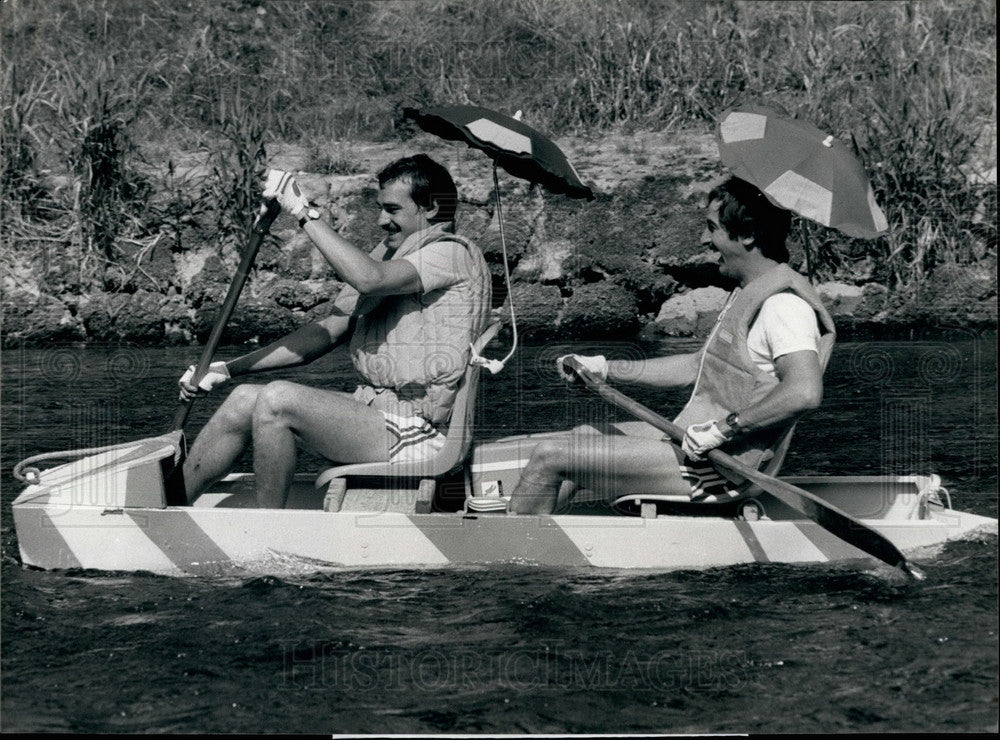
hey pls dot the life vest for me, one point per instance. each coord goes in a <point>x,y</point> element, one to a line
<point>413,348</point>
<point>728,379</point>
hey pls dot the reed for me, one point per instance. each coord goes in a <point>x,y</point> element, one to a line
<point>233,186</point>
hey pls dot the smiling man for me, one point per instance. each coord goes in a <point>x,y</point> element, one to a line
<point>759,370</point>
<point>409,311</point>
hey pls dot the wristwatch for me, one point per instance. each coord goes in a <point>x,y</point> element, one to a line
<point>310,214</point>
<point>733,422</point>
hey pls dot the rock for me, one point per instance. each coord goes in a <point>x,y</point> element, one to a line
<point>62,272</point>
<point>874,299</point>
<point>98,312</point>
<point>599,311</point>
<point>472,221</point>
<point>140,319</point>
<point>142,267</point>
<point>360,227</point>
<point>211,283</point>
<point>692,313</point>
<point>290,255</point>
<point>474,189</point>
<point>342,186</point>
<point>955,295</point>
<point>253,320</point>
<point>116,317</point>
<point>302,295</point>
<point>840,299</point>
<point>695,271</point>
<point>517,231</point>
<point>178,320</point>
<point>37,320</point>
<point>537,308</point>
<point>544,264</point>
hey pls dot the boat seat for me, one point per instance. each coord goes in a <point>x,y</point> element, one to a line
<point>646,502</point>
<point>410,486</point>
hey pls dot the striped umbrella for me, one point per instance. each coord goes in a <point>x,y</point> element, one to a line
<point>801,168</point>
<point>514,145</point>
<point>521,150</point>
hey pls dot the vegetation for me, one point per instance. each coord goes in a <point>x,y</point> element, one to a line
<point>92,87</point>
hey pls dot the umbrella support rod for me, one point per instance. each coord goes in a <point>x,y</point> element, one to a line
<point>806,249</point>
<point>506,272</point>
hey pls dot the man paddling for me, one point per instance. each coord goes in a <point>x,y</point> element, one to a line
<point>760,369</point>
<point>409,311</point>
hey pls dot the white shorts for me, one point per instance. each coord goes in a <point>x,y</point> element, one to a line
<point>414,438</point>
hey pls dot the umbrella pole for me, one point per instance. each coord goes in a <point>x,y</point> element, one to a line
<point>805,248</point>
<point>506,268</point>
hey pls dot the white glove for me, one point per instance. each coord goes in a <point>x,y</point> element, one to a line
<point>282,185</point>
<point>700,438</point>
<point>596,365</point>
<point>218,374</point>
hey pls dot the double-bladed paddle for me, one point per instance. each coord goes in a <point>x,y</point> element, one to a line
<point>269,210</point>
<point>828,516</point>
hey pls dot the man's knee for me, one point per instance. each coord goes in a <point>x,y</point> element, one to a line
<point>551,454</point>
<point>238,406</point>
<point>274,400</point>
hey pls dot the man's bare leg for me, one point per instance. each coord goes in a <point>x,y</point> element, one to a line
<point>615,465</point>
<point>221,442</point>
<point>330,423</point>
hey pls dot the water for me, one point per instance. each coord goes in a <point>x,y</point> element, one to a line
<point>762,648</point>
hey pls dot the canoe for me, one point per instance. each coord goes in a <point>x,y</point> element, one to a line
<point>109,512</point>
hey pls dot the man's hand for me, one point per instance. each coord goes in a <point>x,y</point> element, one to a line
<point>596,365</point>
<point>218,374</point>
<point>282,186</point>
<point>700,438</point>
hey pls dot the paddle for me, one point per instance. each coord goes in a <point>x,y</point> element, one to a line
<point>262,223</point>
<point>822,512</point>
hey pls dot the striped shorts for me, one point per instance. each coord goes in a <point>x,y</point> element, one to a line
<point>707,485</point>
<point>413,438</point>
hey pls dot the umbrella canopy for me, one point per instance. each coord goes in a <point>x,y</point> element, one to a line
<point>801,168</point>
<point>517,147</point>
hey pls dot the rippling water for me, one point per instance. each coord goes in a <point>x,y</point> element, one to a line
<point>762,648</point>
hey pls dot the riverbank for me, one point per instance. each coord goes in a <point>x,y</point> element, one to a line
<point>626,265</point>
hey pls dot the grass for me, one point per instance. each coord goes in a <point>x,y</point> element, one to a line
<point>90,84</point>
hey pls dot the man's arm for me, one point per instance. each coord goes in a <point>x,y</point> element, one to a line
<point>672,371</point>
<point>301,347</point>
<point>799,389</point>
<point>306,343</point>
<point>356,268</point>
<point>366,275</point>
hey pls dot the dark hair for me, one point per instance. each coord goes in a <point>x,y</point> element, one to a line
<point>744,211</point>
<point>430,183</point>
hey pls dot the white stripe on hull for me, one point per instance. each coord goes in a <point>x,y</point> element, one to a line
<point>785,542</point>
<point>665,542</point>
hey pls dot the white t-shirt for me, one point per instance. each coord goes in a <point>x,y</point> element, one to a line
<point>784,324</point>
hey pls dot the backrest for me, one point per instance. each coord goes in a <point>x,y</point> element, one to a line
<point>773,465</point>
<point>458,438</point>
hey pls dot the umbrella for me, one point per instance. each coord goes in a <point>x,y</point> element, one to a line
<point>520,150</point>
<point>801,168</point>
<point>517,147</point>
